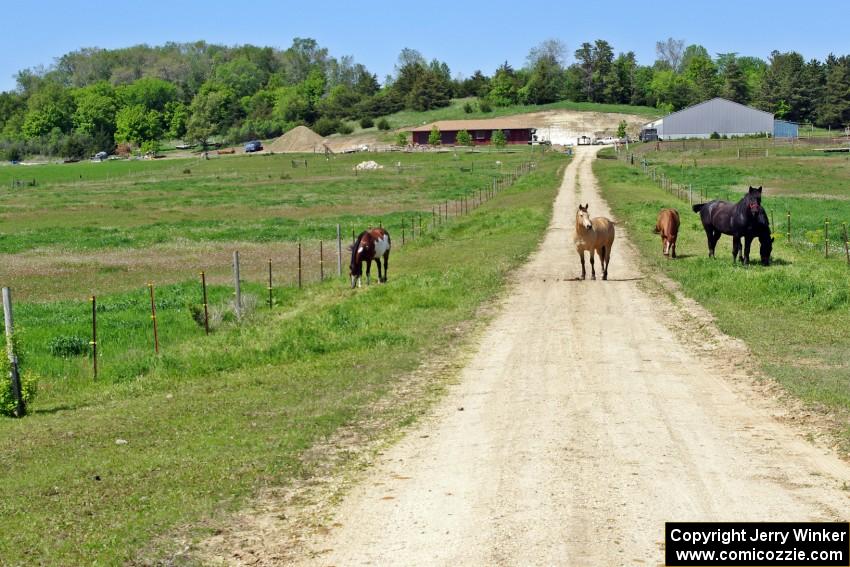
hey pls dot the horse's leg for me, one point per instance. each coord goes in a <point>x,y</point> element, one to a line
<point>748,240</point>
<point>592,266</point>
<point>603,262</point>
<point>713,237</point>
<point>386,264</point>
<point>378,263</point>
<point>368,272</point>
<point>583,271</point>
<point>673,249</point>
<point>736,249</point>
<point>709,235</point>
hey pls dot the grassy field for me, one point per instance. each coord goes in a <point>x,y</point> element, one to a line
<point>212,420</point>
<point>811,185</point>
<point>116,225</point>
<point>455,112</point>
<point>794,314</point>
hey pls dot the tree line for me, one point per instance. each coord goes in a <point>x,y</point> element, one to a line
<point>92,99</point>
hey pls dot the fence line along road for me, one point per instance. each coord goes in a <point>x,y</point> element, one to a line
<point>463,206</point>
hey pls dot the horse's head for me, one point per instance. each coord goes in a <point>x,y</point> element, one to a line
<point>355,268</point>
<point>583,217</point>
<point>754,199</point>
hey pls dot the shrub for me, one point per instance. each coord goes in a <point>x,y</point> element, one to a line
<point>345,128</point>
<point>463,138</point>
<point>499,139</point>
<point>484,106</point>
<point>29,384</point>
<point>468,108</point>
<point>366,122</point>
<point>187,171</point>
<point>325,126</point>
<point>714,136</point>
<point>434,136</point>
<point>401,139</point>
<point>383,124</point>
<point>68,346</point>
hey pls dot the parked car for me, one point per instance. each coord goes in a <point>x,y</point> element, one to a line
<point>604,141</point>
<point>253,146</point>
<point>100,156</point>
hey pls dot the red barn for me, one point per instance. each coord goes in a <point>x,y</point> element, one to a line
<point>481,131</point>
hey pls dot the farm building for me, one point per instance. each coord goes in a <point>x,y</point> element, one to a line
<point>721,116</point>
<point>481,131</point>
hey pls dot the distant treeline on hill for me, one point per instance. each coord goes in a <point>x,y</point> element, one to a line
<point>91,99</point>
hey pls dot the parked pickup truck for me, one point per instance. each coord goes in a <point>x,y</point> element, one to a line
<point>253,146</point>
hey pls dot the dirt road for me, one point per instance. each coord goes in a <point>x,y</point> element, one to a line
<point>580,426</point>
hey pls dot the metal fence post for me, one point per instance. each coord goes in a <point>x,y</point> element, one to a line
<point>14,376</point>
<point>237,286</point>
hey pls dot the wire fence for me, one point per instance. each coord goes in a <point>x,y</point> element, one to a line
<point>829,239</point>
<point>256,283</point>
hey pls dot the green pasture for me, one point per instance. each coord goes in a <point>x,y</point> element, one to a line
<point>96,228</point>
<point>811,185</point>
<point>213,420</point>
<point>794,314</point>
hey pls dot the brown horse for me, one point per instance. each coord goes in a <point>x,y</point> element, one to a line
<point>595,235</point>
<point>372,244</point>
<point>667,226</point>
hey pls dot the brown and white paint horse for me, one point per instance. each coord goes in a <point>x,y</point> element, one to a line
<point>667,226</point>
<point>594,235</point>
<point>372,244</point>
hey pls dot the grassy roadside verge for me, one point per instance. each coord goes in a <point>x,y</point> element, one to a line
<point>793,315</point>
<point>215,421</point>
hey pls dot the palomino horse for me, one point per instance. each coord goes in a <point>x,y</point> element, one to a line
<point>667,226</point>
<point>594,235</point>
<point>372,244</point>
<point>746,218</point>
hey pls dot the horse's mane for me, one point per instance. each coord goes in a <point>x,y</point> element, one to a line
<point>353,247</point>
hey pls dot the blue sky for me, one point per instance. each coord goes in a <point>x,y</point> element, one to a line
<point>467,35</point>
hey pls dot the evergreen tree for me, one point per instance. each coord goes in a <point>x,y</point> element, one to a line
<point>504,88</point>
<point>735,85</point>
<point>835,109</point>
<point>434,136</point>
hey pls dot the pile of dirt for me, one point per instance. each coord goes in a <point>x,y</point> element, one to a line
<point>299,139</point>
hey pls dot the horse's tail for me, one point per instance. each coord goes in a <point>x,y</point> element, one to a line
<point>657,229</point>
<point>698,208</point>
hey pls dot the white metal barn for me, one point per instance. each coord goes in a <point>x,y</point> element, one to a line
<point>715,115</point>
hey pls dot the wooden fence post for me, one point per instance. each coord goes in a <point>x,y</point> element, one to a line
<point>93,341</point>
<point>237,286</point>
<point>206,307</point>
<point>153,318</point>
<point>826,238</point>
<point>321,262</point>
<point>789,226</point>
<point>14,375</point>
<point>338,253</point>
<point>270,283</point>
<point>299,265</point>
<point>846,247</point>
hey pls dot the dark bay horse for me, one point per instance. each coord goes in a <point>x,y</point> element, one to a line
<point>372,244</point>
<point>743,219</point>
